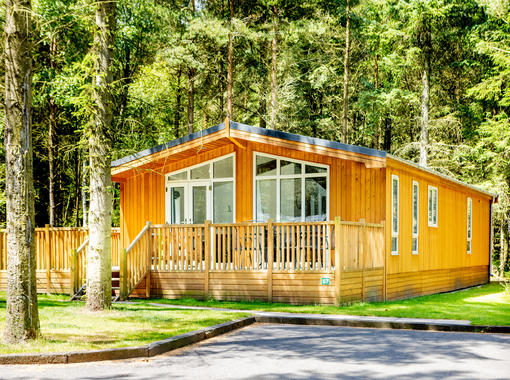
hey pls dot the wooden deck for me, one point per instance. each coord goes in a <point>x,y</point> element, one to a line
<point>276,262</point>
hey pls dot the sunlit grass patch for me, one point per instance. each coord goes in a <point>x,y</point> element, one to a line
<point>68,326</point>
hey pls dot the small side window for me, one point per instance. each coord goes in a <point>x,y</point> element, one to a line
<point>469,224</point>
<point>433,206</point>
<point>394,214</point>
<point>416,211</point>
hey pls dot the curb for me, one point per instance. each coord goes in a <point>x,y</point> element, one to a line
<point>149,350</point>
<point>325,321</point>
<point>179,341</point>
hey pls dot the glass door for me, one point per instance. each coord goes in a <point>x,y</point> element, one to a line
<point>200,202</point>
<point>177,195</point>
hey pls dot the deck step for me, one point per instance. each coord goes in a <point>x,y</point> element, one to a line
<point>115,287</point>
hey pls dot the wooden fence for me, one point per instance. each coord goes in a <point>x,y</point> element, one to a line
<point>55,248</point>
<point>289,262</point>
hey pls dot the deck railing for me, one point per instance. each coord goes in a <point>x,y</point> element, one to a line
<point>55,249</point>
<point>134,263</point>
<point>301,247</point>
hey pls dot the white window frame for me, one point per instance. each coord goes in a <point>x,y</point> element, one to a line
<point>187,183</point>
<point>278,176</point>
<point>415,235</point>
<point>431,212</point>
<point>469,217</point>
<point>394,234</point>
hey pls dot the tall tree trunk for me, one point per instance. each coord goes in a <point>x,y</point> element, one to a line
<point>346,72</point>
<point>387,134</point>
<point>377,128</point>
<point>191,84</point>
<point>262,106</point>
<point>177,113</point>
<point>274,70</point>
<point>22,319</point>
<point>424,130</point>
<point>230,69</point>
<point>191,99</point>
<point>77,176</point>
<point>222,89</point>
<point>425,43</point>
<point>99,269</point>
<point>51,161</point>
<point>503,251</point>
<point>84,191</point>
<point>51,142</point>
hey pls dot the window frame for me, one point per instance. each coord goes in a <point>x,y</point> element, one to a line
<point>187,183</point>
<point>303,175</point>
<point>469,232</point>
<point>395,234</point>
<point>432,223</point>
<point>415,235</point>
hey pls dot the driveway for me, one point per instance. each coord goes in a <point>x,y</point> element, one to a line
<point>270,351</point>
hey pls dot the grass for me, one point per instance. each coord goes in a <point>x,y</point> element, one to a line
<point>67,326</point>
<point>483,305</point>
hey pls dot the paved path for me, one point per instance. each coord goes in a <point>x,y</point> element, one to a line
<point>306,352</point>
<point>345,317</point>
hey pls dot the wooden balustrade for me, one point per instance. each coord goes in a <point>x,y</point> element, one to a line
<point>134,263</point>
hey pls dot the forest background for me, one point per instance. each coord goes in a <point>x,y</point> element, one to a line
<point>345,70</point>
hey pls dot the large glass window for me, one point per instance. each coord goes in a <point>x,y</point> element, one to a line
<point>416,208</point>
<point>289,190</point>
<point>394,214</point>
<point>202,192</point>
<point>469,223</point>
<point>265,199</point>
<point>223,202</point>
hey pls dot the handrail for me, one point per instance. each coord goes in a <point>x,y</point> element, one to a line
<point>138,237</point>
<point>83,245</point>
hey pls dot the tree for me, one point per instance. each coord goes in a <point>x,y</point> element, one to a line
<point>22,319</point>
<point>99,250</point>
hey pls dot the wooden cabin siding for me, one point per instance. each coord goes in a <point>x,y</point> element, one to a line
<point>356,192</point>
<point>442,262</point>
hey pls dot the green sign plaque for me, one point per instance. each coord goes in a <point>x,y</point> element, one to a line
<point>324,280</point>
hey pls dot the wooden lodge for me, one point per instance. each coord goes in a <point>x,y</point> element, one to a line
<point>244,213</point>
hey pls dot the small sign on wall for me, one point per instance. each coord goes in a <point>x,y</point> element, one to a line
<point>325,281</point>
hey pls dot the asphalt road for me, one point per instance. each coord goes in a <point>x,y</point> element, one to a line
<point>266,351</point>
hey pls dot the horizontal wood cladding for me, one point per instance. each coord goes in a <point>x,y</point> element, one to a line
<point>444,246</point>
<point>357,285</point>
<point>303,288</point>
<point>414,284</point>
<point>59,281</point>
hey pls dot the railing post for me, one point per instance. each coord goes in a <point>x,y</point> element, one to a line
<point>207,253</point>
<point>270,260</point>
<point>123,274</point>
<point>338,268</point>
<point>73,275</point>
<point>384,261</point>
<point>47,256</point>
<point>149,262</point>
<point>361,250</point>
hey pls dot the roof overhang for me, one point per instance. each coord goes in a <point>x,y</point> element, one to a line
<point>230,132</point>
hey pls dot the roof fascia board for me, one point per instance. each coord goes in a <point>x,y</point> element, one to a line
<point>170,144</point>
<point>308,140</point>
<point>440,175</point>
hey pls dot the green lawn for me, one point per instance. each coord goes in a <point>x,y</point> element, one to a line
<point>484,305</point>
<point>67,326</point>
